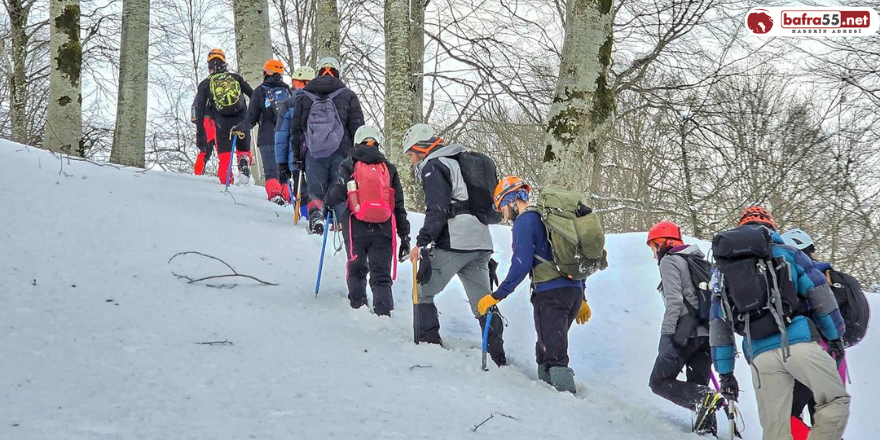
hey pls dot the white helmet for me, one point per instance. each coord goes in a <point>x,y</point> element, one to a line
<point>417,133</point>
<point>797,238</point>
<point>368,132</point>
<point>304,73</point>
<point>331,62</point>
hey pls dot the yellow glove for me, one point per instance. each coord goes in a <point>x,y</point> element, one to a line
<point>584,313</point>
<point>486,303</point>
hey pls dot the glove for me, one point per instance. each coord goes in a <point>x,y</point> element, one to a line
<point>584,313</point>
<point>298,164</point>
<point>424,274</point>
<point>728,386</point>
<point>237,131</point>
<point>667,348</point>
<point>493,274</point>
<point>837,350</point>
<point>486,303</point>
<point>283,172</point>
<point>404,250</point>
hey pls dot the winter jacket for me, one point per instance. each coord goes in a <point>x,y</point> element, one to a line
<point>338,193</point>
<point>262,111</point>
<point>529,243</point>
<point>443,185</point>
<point>347,106</point>
<point>283,152</point>
<point>676,286</point>
<point>810,285</point>
<point>204,106</point>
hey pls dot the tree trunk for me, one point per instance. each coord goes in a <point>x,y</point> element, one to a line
<point>583,105</point>
<point>417,56</point>
<point>64,116</point>
<point>253,46</point>
<point>326,32</point>
<point>129,139</point>
<point>18,17</point>
<point>403,84</point>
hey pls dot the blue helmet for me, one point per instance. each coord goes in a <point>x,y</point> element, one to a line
<point>798,238</point>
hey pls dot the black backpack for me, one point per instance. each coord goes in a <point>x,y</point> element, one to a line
<point>701,276</point>
<point>274,98</point>
<point>853,305</point>
<point>481,177</point>
<point>757,290</point>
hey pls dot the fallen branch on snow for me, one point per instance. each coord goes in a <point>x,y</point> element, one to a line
<point>420,366</point>
<point>223,342</point>
<point>234,273</point>
<point>490,418</point>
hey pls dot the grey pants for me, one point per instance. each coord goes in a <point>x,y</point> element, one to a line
<point>813,367</point>
<point>472,269</point>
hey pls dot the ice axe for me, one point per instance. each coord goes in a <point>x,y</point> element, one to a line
<point>296,206</point>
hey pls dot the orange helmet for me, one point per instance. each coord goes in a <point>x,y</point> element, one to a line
<point>510,185</point>
<point>217,54</point>
<point>664,230</point>
<point>272,67</point>
<point>758,215</point>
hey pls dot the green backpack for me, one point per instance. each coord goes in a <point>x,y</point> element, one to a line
<point>575,235</point>
<point>226,93</point>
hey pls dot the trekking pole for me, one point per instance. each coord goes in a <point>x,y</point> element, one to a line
<point>231,155</point>
<point>729,408</point>
<point>296,206</point>
<point>415,298</point>
<point>290,191</point>
<point>486,339</point>
<point>321,261</point>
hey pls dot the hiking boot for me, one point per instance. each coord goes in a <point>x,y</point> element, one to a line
<point>705,411</point>
<point>278,200</point>
<point>316,222</point>
<point>544,374</point>
<point>562,378</point>
<point>357,303</point>
<point>244,166</point>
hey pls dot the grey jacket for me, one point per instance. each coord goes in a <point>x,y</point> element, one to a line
<point>441,179</point>
<point>676,279</point>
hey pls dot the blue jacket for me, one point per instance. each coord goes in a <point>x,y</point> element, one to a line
<point>810,285</point>
<point>283,152</point>
<point>530,241</point>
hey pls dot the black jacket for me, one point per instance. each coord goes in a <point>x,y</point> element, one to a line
<point>347,105</point>
<point>204,106</point>
<point>339,193</point>
<point>259,113</point>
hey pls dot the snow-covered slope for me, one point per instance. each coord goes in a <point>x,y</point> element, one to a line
<point>100,340</point>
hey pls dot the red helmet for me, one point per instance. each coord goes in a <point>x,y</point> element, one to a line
<point>665,229</point>
<point>758,215</point>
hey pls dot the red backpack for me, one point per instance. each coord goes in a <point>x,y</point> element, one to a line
<point>373,201</point>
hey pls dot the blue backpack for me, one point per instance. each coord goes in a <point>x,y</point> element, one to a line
<point>274,99</point>
<point>324,130</point>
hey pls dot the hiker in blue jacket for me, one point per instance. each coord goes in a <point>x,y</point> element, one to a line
<point>558,301</point>
<point>775,365</point>
<point>290,167</point>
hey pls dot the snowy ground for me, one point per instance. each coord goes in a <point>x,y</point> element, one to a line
<point>99,339</point>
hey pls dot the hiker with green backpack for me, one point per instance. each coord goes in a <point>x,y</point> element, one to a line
<point>221,98</point>
<point>559,242</point>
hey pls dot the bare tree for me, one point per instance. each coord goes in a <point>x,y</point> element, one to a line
<point>129,138</point>
<point>326,33</point>
<point>583,105</point>
<point>64,125</point>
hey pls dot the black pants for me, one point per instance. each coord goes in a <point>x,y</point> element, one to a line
<point>803,397</point>
<point>697,357</point>
<point>369,252</point>
<point>555,311</point>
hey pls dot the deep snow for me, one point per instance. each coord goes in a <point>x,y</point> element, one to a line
<point>99,339</point>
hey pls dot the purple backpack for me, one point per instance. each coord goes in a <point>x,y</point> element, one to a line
<point>324,130</point>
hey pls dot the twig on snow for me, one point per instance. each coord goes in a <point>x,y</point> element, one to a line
<point>234,273</point>
<point>420,366</point>
<point>212,343</point>
<point>492,415</point>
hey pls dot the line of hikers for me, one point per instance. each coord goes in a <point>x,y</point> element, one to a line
<point>796,314</point>
<point>762,285</point>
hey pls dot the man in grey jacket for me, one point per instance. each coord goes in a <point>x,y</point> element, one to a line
<point>679,346</point>
<point>460,244</point>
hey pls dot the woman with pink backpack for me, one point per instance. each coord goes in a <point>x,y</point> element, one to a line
<point>368,200</point>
